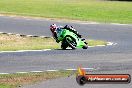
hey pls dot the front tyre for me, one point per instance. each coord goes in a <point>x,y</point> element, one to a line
<point>71,41</point>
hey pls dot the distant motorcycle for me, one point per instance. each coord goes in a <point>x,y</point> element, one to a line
<point>70,39</point>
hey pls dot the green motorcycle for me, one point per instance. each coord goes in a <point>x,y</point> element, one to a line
<point>70,39</point>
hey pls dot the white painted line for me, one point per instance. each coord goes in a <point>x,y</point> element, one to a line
<point>22,72</point>
<point>46,49</point>
<point>90,23</point>
<point>115,44</point>
<point>36,71</point>
<point>71,69</point>
<point>30,50</point>
<point>90,46</point>
<point>24,51</point>
<point>52,70</point>
<point>101,45</point>
<point>17,34</point>
<point>10,33</point>
<point>48,71</point>
<point>110,43</point>
<point>3,73</point>
<point>42,36</point>
<point>29,35</point>
<point>1,32</point>
<point>82,68</point>
<point>9,51</point>
<point>88,68</point>
<point>119,24</point>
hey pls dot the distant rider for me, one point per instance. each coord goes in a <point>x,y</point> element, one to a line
<point>54,27</point>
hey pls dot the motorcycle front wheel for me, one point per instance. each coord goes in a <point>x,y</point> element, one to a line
<point>71,42</point>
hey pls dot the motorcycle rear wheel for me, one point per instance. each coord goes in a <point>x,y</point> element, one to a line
<point>85,47</point>
<point>64,44</point>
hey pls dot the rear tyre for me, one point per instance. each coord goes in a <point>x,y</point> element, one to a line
<point>85,47</point>
<point>64,44</point>
<point>63,47</point>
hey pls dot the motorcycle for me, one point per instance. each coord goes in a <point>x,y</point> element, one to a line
<point>70,39</point>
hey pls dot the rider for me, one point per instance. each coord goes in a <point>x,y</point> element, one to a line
<point>54,27</point>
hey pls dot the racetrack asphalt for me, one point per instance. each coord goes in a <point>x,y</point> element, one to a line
<point>108,59</point>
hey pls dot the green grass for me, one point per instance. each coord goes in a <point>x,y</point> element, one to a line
<point>16,80</point>
<point>89,10</point>
<point>5,86</point>
<point>14,42</point>
<point>96,42</point>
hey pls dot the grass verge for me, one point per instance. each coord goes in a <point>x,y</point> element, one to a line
<point>96,42</point>
<point>14,42</point>
<point>16,80</point>
<point>88,10</point>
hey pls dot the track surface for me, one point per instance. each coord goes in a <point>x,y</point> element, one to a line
<point>109,59</point>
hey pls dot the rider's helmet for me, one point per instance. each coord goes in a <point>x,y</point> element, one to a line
<point>53,27</point>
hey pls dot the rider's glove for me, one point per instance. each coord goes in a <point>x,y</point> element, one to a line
<point>80,36</point>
